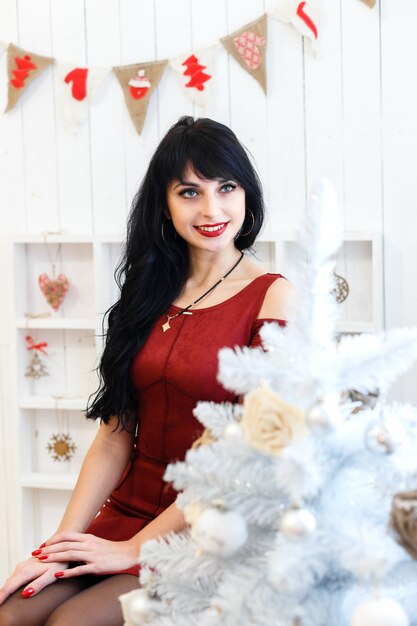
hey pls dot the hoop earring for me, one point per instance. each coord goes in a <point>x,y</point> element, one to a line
<point>162,231</point>
<point>251,228</point>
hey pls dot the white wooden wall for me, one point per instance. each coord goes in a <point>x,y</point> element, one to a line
<point>348,114</point>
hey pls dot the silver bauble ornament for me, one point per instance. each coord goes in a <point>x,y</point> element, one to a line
<point>298,524</point>
<point>379,612</point>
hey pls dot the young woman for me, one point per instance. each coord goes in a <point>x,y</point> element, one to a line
<point>187,290</point>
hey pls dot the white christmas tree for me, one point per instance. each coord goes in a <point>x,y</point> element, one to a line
<point>288,499</point>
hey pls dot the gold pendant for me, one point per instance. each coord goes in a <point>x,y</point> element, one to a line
<point>166,326</point>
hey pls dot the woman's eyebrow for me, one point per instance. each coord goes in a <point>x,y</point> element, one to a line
<point>186,182</point>
<point>190,184</point>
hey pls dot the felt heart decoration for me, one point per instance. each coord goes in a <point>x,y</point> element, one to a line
<point>54,289</point>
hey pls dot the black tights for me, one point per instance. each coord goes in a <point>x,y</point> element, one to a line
<point>80,601</point>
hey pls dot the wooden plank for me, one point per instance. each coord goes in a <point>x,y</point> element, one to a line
<point>208,25</point>
<point>285,176</point>
<point>12,163</point>
<point>72,146</point>
<point>247,99</point>
<point>361,116</point>
<point>38,122</point>
<point>323,104</point>
<point>399,104</point>
<point>138,17</point>
<point>107,117</point>
<point>173,38</point>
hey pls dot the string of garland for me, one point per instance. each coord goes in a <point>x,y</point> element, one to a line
<point>196,70</point>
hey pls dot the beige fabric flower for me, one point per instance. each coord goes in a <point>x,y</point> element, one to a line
<point>269,423</point>
<point>404,520</point>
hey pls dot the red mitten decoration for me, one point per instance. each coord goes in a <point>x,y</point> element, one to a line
<point>54,289</point>
<point>78,78</point>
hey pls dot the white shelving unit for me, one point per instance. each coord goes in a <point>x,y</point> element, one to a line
<point>56,403</point>
<point>359,262</point>
<point>73,335</point>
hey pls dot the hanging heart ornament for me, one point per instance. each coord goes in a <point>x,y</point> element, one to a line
<point>54,289</point>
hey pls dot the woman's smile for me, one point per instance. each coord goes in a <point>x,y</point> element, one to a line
<point>211,230</point>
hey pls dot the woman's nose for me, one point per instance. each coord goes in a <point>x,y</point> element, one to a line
<point>211,206</point>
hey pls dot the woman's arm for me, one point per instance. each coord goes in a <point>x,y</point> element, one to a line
<point>101,470</point>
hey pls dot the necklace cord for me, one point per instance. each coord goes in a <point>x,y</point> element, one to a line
<point>209,290</point>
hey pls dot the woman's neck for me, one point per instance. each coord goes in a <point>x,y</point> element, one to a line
<point>207,267</point>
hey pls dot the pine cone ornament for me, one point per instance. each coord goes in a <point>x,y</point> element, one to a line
<point>404,520</point>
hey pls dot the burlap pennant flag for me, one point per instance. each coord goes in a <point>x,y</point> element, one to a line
<point>138,82</point>
<point>247,45</point>
<point>304,16</point>
<point>77,87</point>
<point>369,3</point>
<point>197,72</point>
<point>22,68</point>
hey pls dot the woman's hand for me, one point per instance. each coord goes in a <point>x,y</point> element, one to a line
<point>96,555</point>
<point>34,574</point>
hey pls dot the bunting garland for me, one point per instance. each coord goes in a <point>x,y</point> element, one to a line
<point>77,89</point>
<point>22,68</point>
<point>197,71</point>
<point>304,16</point>
<point>77,86</point>
<point>138,82</point>
<point>247,45</point>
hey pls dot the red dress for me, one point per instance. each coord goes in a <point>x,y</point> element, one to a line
<point>170,374</point>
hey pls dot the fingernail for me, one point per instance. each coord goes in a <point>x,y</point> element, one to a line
<point>26,593</point>
<point>43,545</point>
<point>43,557</point>
<point>59,574</point>
<point>36,552</point>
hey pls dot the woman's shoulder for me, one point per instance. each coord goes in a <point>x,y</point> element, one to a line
<point>274,290</point>
<point>277,295</point>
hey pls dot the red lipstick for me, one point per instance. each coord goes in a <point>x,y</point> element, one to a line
<point>218,229</point>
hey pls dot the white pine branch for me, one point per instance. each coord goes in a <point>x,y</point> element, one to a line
<point>368,362</point>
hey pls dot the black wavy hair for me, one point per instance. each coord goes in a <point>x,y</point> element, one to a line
<point>154,266</point>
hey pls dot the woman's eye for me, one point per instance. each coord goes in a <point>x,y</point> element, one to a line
<point>188,193</point>
<point>228,187</point>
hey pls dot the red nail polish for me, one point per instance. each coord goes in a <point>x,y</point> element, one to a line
<point>43,557</point>
<point>43,545</point>
<point>36,552</point>
<point>26,593</point>
<point>59,574</point>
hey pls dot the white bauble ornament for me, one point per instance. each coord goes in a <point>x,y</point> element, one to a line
<point>233,430</point>
<point>298,524</point>
<point>325,414</point>
<point>385,436</point>
<point>137,608</point>
<point>221,533</point>
<point>379,612</point>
